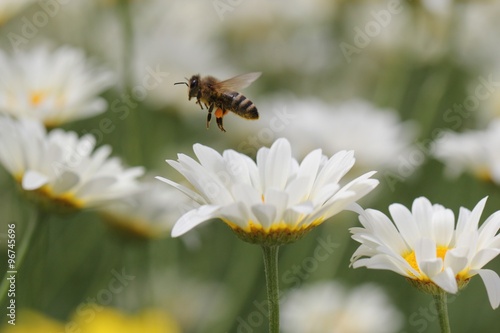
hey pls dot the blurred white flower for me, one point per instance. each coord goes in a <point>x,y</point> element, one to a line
<point>477,152</point>
<point>328,307</point>
<point>438,7</point>
<point>61,169</point>
<point>9,8</point>
<point>272,201</point>
<point>476,41</point>
<point>424,246</point>
<point>149,212</point>
<point>378,136</point>
<point>53,87</point>
<point>379,30</point>
<point>295,38</point>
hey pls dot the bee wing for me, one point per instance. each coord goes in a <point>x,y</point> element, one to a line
<point>238,82</point>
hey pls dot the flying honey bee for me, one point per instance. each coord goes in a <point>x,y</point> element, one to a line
<point>223,96</point>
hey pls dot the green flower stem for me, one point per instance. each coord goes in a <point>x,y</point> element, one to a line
<point>442,308</point>
<point>22,249</point>
<point>271,269</point>
<point>133,121</point>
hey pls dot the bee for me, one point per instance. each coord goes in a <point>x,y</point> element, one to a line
<point>223,96</point>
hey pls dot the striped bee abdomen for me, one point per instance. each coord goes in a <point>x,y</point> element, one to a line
<point>241,105</point>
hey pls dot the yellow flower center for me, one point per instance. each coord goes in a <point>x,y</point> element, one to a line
<point>37,98</point>
<point>412,260</point>
<point>484,174</point>
<point>277,234</point>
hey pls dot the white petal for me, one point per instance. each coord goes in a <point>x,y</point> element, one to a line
<point>325,193</point>
<point>296,190</point>
<point>293,218</point>
<point>446,281</point>
<point>96,186</point>
<point>422,211</point>
<point>381,261</point>
<point>489,229</point>
<point>65,182</point>
<point>209,158</point>
<point>193,218</point>
<point>236,166</point>
<point>472,222</point>
<point>33,180</point>
<point>265,215</point>
<point>463,217</point>
<point>237,213</point>
<point>278,199</point>
<point>246,194</point>
<point>425,250</point>
<point>334,169</point>
<point>278,164</point>
<point>443,222</point>
<point>483,257</point>
<point>304,208</point>
<point>309,168</point>
<point>431,267</point>
<point>456,259</point>
<point>405,223</point>
<point>492,283</point>
<point>190,193</point>
<point>385,231</point>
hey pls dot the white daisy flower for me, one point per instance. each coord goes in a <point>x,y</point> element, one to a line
<point>51,86</point>
<point>378,136</point>
<point>60,168</point>
<point>474,151</point>
<point>425,246</point>
<point>330,307</point>
<point>150,212</point>
<point>272,201</point>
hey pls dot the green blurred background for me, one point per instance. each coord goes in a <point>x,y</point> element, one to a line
<point>423,61</point>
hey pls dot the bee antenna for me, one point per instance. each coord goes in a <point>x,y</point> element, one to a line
<point>182,83</point>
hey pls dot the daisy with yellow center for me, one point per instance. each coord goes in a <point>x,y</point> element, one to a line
<point>53,86</point>
<point>61,170</point>
<point>272,201</point>
<point>425,246</point>
<point>476,152</point>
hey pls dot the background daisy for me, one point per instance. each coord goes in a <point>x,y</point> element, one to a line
<point>426,246</point>
<point>331,307</point>
<point>52,86</point>
<point>62,169</point>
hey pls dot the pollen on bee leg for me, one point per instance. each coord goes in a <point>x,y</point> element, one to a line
<point>219,113</point>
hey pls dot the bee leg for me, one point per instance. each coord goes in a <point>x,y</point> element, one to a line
<point>218,117</point>
<point>209,115</point>
<point>219,123</point>
<point>199,102</point>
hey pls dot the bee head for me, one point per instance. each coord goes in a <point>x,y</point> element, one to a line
<point>192,84</point>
